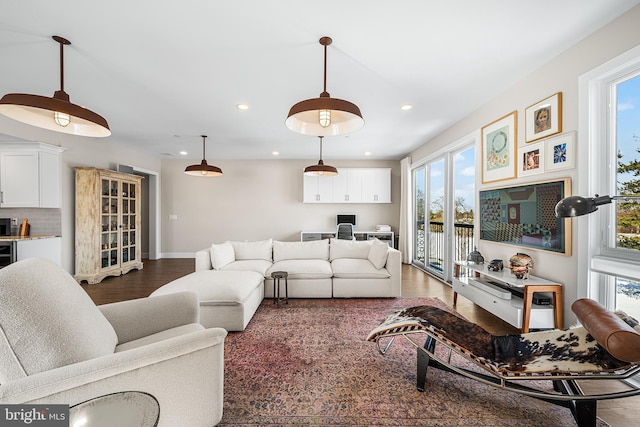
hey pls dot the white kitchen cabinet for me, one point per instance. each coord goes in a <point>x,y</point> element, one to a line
<point>347,186</point>
<point>351,185</point>
<point>29,175</point>
<point>376,185</point>
<point>45,247</point>
<point>318,189</point>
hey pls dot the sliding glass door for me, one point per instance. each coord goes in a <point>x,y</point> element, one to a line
<point>443,209</point>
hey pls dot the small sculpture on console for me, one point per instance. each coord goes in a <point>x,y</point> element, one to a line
<point>475,257</point>
<point>521,265</point>
<point>495,265</point>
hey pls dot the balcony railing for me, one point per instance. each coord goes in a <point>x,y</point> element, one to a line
<point>463,244</point>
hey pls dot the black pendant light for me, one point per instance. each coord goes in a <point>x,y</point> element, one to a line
<point>320,169</point>
<point>324,116</point>
<point>203,169</point>
<point>55,113</point>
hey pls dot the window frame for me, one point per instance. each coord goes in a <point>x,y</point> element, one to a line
<point>597,102</point>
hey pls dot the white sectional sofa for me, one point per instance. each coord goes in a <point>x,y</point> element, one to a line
<point>232,278</point>
<point>317,269</point>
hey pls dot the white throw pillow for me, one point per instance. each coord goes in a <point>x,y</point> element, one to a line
<point>261,249</point>
<point>358,249</point>
<point>222,255</point>
<point>378,253</point>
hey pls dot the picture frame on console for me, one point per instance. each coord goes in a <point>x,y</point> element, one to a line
<point>524,216</point>
<point>499,149</point>
<point>544,118</point>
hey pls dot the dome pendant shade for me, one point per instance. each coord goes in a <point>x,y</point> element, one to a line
<point>56,113</point>
<point>324,116</point>
<point>203,169</point>
<point>320,169</point>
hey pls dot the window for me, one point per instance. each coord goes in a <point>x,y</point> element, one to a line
<point>612,257</point>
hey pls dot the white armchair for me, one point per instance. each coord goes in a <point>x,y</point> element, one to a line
<point>57,346</point>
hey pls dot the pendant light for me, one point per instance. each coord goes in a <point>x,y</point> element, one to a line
<point>56,113</point>
<point>324,116</point>
<point>203,169</point>
<point>320,169</point>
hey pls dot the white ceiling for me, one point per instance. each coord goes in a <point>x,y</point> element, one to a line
<point>164,72</point>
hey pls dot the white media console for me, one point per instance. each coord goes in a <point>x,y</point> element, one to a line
<point>497,292</point>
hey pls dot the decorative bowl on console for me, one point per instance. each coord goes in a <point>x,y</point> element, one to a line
<point>521,265</point>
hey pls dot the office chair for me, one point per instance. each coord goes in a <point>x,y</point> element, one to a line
<point>345,232</point>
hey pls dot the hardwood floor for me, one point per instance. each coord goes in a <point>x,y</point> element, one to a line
<point>415,283</point>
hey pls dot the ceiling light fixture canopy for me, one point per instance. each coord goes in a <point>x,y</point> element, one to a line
<point>203,169</point>
<point>324,116</point>
<point>56,113</point>
<point>578,205</point>
<point>320,169</point>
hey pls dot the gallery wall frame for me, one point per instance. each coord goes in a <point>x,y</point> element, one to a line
<point>531,159</point>
<point>560,152</point>
<point>544,118</point>
<point>524,216</point>
<point>499,142</point>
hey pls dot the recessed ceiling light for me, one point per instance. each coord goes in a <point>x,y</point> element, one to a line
<point>406,107</point>
<point>367,153</point>
<point>275,153</point>
<point>242,107</point>
<point>183,153</point>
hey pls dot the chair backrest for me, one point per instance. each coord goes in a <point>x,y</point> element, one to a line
<point>345,232</point>
<point>47,320</point>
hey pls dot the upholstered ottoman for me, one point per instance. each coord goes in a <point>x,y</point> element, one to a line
<point>228,299</point>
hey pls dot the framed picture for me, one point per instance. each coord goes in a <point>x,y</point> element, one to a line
<point>560,152</point>
<point>544,118</point>
<point>531,159</point>
<point>524,216</point>
<point>499,149</point>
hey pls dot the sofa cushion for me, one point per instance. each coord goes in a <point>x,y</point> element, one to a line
<point>47,320</point>
<point>222,255</point>
<point>318,250</point>
<point>258,265</point>
<point>261,249</point>
<point>303,268</point>
<point>378,253</point>
<point>353,268</point>
<point>349,249</point>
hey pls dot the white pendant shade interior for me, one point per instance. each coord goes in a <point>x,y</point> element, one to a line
<point>320,169</point>
<point>324,116</point>
<point>203,169</point>
<point>56,113</point>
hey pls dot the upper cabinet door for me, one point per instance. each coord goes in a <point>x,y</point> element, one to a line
<point>376,185</point>
<point>19,179</point>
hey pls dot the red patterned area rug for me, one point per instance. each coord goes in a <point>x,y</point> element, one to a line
<point>308,364</point>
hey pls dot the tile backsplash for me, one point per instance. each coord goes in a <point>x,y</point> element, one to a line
<point>43,221</point>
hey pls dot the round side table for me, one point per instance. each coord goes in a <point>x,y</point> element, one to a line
<point>276,276</point>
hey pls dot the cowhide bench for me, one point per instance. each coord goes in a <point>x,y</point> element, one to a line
<point>228,299</point>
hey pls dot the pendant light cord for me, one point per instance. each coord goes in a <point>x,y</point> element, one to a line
<point>203,140</point>
<point>321,144</point>
<point>61,66</point>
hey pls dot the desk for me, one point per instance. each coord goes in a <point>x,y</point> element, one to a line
<point>385,236</point>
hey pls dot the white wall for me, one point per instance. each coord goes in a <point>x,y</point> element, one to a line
<point>559,75</point>
<point>254,200</point>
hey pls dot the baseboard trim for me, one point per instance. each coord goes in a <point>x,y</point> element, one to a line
<point>178,255</point>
